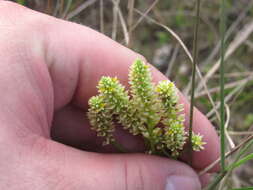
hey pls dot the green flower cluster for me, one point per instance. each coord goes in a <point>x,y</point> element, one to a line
<point>174,133</point>
<point>148,108</point>
<point>101,119</point>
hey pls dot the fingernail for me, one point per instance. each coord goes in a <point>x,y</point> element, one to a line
<point>182,183</point>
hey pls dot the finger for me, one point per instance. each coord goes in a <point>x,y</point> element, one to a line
<point>70,168</point>
<point>205,179</point>
<point>71,126</point>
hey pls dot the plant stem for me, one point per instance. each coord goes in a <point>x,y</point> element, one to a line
<point>120,147</point>
<point>152,145</point>
<point>166,153</point>
<point>222,105</point>
<point>216,181</point>
<point>195,59</point>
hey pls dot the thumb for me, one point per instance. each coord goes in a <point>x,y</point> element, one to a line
<point>122,171</point>
<point>146,172</point>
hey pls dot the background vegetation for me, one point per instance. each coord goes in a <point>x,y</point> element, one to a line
<point>154,28</point>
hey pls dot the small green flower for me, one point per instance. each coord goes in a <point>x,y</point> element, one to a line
<point>197,142</point>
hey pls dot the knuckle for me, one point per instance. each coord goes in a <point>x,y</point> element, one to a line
<point>20,22</point>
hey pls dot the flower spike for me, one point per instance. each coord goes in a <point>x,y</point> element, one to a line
<point>148,110</point>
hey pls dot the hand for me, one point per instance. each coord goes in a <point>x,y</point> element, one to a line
<point>49,68</point>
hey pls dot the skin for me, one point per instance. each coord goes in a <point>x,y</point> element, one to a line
<point>49,68</point>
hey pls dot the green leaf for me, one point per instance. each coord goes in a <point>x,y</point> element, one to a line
<point>244,188</point>
<point>240,162</point>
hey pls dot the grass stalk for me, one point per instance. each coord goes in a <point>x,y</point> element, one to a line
<point>195,60</point>
<point>222,95</point>
<point>101,15</point>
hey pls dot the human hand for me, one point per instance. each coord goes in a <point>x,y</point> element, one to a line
<point>49,68</point>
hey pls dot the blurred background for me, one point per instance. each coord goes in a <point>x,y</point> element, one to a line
<point>163,32</point>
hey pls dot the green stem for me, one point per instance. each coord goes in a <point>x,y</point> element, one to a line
<point>195,60</point>
<point>151,140</point>
<point>166,153</point>
<point>152,144</point>
<point>120,147</point>
<point>222,104</point>
<point>216,181</point>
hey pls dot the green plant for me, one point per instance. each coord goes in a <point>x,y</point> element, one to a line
<point>141,113</point>
<point>21,2</point>
<point>248,120</point>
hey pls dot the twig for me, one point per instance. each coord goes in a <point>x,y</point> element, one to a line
<point>227,86</point>
<point>80,9</point>
<point>230,95</point>
<point>226,155</point>
<point>230,30</point>
<point>124,27</point>
<point>170,31</point>
<point>172,61</point>
<point>56,8</point>
<point>143,15</point>
<point>130,19</point>
<point>235,74</point>
<point>230,141</point>
<point>69,2</point>
<point>240,133</point>
<point>101,14</point>
<point>238,40</point>
<point>115,18</point>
